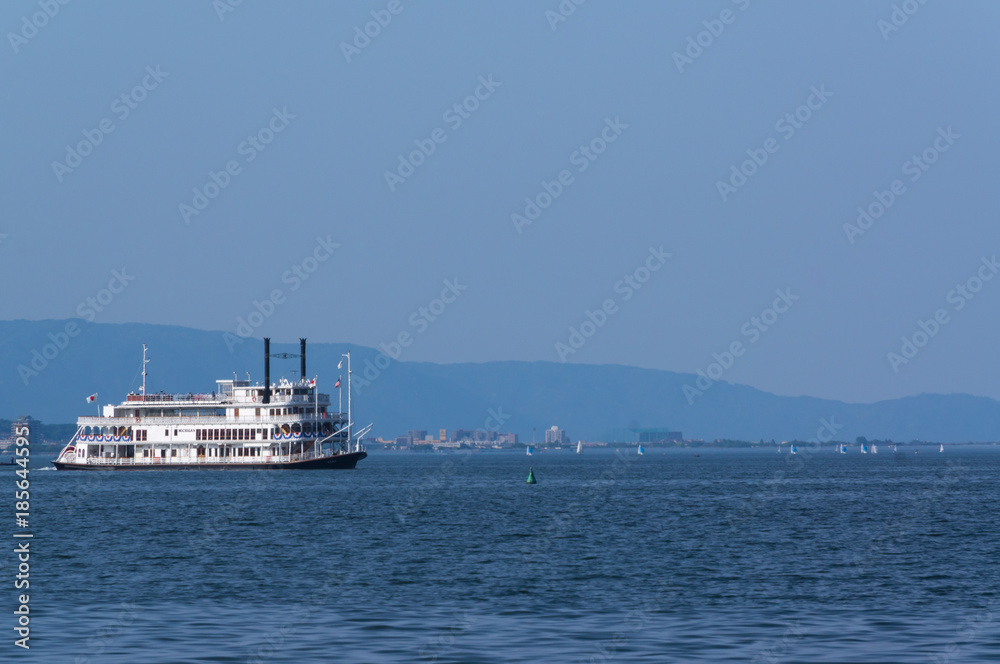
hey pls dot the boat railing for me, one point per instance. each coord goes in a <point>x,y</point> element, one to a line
<point>221,398</point>
<point>210,420</point>
<point>200,460</point>
<point>161,397</point>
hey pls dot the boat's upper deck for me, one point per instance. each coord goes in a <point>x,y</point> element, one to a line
<point>233,392</point>
<point>234,400</point>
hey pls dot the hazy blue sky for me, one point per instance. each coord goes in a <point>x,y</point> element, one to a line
<point>879,97</point>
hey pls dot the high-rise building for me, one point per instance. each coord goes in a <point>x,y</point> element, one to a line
<point>555,435</point>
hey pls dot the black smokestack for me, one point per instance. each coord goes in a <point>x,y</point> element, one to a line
<point>267,370</point>
<point>302,354</point>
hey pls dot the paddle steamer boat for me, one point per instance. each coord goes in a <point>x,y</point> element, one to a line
<point>283,425</point>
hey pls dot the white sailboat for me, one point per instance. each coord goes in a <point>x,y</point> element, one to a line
<point>579,447</point>
<point>874,448</point>
<point>942,448</point>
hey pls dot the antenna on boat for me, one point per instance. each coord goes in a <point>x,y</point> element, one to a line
<point>144,363</point>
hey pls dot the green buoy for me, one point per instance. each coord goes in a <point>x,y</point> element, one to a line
<point>531,476</point>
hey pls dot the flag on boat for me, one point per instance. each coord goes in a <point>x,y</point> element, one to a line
<point>92,398</point>
<point>312,383</point>
<point>337,384</point>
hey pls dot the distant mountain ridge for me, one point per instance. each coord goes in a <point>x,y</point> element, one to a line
<point>593,402</point>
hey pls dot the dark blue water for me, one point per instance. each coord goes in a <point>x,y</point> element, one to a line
<point>731,556</point>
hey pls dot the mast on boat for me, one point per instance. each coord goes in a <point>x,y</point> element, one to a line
<point>350,422</point>
<point>144,374</point>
